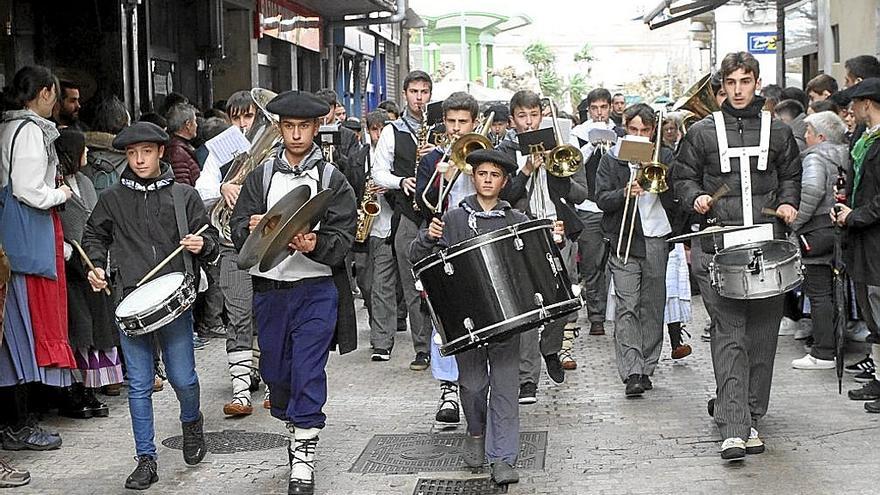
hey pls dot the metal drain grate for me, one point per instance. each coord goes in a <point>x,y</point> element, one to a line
<point>419,452</point>
<point>232,441</point>
<point>473,486</point>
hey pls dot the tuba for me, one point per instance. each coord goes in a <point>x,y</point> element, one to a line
<point>263,135</point>
<point>698,101</point>
<point>563,160</point>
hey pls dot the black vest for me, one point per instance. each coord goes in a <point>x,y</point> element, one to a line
<point>404,166</point>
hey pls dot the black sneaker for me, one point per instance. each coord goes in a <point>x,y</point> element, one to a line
<point>528,393</point>
<point>30,437</point>
<point>144,475</point>
<point>646,382</point>
<point>710,407</point>
<point>864,377</point>
<point>634,386</point>
<point>421,362</point>
<point>870,391</point>
<point>554,368</point>
<point>865,365</point>
<point>381,355</point>
<point>873,406</point>
<point>194,448</point>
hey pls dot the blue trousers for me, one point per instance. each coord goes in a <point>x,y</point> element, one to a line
<point>176,340</point>
<point>295,328</point>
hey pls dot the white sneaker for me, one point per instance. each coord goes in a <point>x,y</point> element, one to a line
<point>733,449</point>
<point>857,331</point>
<point>809,362</point>
<point>754,445</point>
<point>787,326</point>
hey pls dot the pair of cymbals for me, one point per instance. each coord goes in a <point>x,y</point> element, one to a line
<point>715,229</point>
<point>295,213</point>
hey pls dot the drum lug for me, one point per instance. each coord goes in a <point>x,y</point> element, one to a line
<point>554,264</point>
<point>469,327</point>
<point>539,301</point>
<point>447,266</point>
<point>517,243</point>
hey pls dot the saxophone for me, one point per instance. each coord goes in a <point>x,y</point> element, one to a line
<point>422,141</point>
<point>367,212</point>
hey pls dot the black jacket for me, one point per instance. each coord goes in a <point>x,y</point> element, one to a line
<point>863,223</point>
<point>134,219</point>
<point>697,167</point>
<point>334,239</point>
<point>612,177</point>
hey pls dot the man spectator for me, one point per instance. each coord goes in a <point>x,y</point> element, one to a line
<point>821,87</point>
<point>772,94</point>
<point>66,111</point>
<point>180,153</point>
<point>618,105</point>
<point>792,113</point>
<point>860,67</point>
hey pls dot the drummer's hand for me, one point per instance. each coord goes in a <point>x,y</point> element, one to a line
<point>636,189</point>
<point>787,213</point>
<point>254,220</point>
<point>701,204</point>
<point>435,229</point>
<point>558,230</point>
<point>304,243</point>
<point>424,150</point>
<point>408,185</point>
<point>193,243</point>
<point>230,193</point>
<point>97,279</point>
<point>839,214</point>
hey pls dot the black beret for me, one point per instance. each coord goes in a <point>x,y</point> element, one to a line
<point>352,123</point>
<point>140,132</point>
<point>498,158</point>
<point>298,105</point>
<point>502,113</point>
<point>868,89</point>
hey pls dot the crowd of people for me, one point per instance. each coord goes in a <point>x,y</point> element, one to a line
<point>91,205</point>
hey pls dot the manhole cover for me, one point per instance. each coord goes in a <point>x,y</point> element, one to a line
<point>419,452</point>
<point>473,486</point>
<point>232,441</point>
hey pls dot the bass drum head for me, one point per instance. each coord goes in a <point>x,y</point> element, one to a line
<point>150,295</point>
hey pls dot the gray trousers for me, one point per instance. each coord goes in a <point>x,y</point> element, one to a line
<point>383,298</point>
<point>743,350</point>
<point>569,259</point>
<point>700,270</point>
<point>639,297</point>
<point>868,300</point>
<point>235,284</point>
<point>535,343</point>
<point>494,415</point>
<point>418,324</point>
<point>591,246</point>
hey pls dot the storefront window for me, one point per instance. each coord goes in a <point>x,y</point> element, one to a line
<point>801,26</point>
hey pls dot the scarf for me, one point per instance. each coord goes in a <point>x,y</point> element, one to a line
<point>860,150</point>
<point>310,161</point>
<point>474,214</point>
<point>751,111</point>
<point>50,132</point>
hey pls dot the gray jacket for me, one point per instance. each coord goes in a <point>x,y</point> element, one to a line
<point>820,168</point>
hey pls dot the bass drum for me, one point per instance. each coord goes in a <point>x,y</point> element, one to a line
<point>756,270</point>
<point>496,285</point>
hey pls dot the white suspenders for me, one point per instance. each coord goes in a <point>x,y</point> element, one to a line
<point>744,154</point>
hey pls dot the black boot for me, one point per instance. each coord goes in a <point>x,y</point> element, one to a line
<point>144,475</point>
<point>98,408</point>
<point>194,448</point>
<point>73,404</point>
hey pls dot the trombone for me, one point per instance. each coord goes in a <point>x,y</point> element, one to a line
<point>651,177</point>
<point>457,153</point>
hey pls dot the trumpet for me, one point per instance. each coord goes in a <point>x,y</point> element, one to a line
<point>457,153</point>
<point>651,177</point>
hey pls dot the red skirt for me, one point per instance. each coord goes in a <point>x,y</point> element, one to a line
<point>47,304</point>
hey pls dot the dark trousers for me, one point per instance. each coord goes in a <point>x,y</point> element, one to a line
<point>496,414</point>
<point>295,327</point>
<point>591,246</point>
<point>209,305</point>
<point>818,285</point>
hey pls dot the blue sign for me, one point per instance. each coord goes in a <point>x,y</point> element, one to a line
<point>762,43</point>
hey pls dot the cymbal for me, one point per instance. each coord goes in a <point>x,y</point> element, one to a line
<point>259,239</point>
<point>303,221</point>
<point>715,229</point>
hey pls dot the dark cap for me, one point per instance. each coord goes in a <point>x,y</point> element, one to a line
<point>866,89</point>
<point>494,156</point>
<point>502,113</point>
<point>353,123</point>
<point>140,132</point>
<point>298,105</point>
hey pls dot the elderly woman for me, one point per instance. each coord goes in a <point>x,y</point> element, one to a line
<point>825,157</point>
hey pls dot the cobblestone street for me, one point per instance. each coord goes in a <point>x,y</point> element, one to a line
<point>598,442</point>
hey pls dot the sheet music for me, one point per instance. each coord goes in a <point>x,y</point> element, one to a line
<point>228,144</point>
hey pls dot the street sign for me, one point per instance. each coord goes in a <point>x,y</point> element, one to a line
<point>762,43</point>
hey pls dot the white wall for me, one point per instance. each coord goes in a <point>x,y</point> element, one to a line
<point>732,27</point>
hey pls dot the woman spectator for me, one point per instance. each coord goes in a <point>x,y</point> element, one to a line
<point>826,155</point>
<point>35,347</point>
<point>92,331</point>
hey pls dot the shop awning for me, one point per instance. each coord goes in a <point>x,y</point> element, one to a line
<point>335,11</point>
<point>670,11</point>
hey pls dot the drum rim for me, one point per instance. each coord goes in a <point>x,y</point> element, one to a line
<point>795,255</point>
<point>763,295</point>
<point>144,287</point>
<point>171,316</point>
<point>520,316</point>
<point>463,247</point>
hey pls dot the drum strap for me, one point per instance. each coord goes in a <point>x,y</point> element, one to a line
<point>744,155</point>
<point>268,171</point>
<point>182,229</point>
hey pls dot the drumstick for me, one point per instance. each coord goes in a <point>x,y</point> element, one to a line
<point>770,212</point>
<point>167,259</point>
<point>724,189</point>
<point>87,261</point>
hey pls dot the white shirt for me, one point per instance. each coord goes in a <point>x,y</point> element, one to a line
<point>534,198</point>
<point>296,266</point>
<point>383,160</point>
<point>33,181</point>
<point>655,223</point>
<point>209,181</point>
<point>582,131</point>
<point>382,224</point>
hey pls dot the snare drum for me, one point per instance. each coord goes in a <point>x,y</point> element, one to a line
<point>496,285</point>
<point>155,304</point>
<point>756,270</point>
